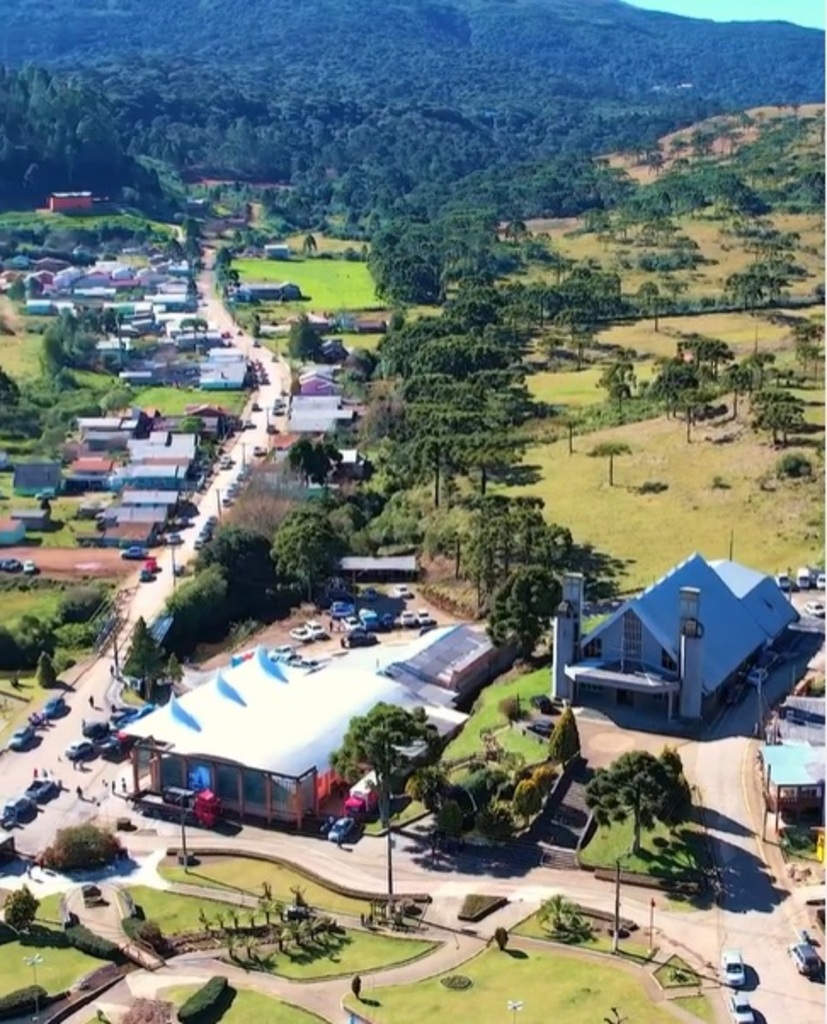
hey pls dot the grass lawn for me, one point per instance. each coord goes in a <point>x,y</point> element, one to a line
<point>247,875</point>
<point>601,943</point>
<point>550,986</point>
<point>177,914</point>
<point>676,973</point>
<point>20,354</point>
<point>486,716</point>
<point>712,488</point>
<point>663,854</point>
<point>246,1007</point>
<point>576,387</point>
<point>41,602</point>
<point>698,1006</point>
<point>354,952</point>
<point>65,529</point>
<point>330,285</point>
<point>174,401</point>
<point>62,965</point>
<point>412,809</point>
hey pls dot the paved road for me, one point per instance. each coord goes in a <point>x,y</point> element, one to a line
<point>93,681</point>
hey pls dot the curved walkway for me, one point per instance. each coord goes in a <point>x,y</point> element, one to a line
<point>105,919</point>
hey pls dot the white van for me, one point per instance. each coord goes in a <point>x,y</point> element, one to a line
<point>803,579</point>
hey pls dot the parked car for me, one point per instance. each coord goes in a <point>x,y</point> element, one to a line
<point>296,912</point>
<point>806,959</point>
<point>359,638</point>
<point>821,581</point>
<point>255,407</point>
<point>95,730</point>
<point>352,622</point>
<point>199,543</point>
<point>145,576</point>
<point>226,501</point>
<point>259,452</point>
<point>540,728</point>
<point>283,652</point>
<point>151,564</point>
<point>174,538</point>
<point>542,703</point>
<point>302,635</point>
<point>29,568</point>
<point>424,618</point>
<point>342,830</point>
<point>80,750</point>
<point>408,620</point>
<point>134,553</point>
<point>317,631</point>
<point>429,628</point>
<point>342,610</point>
<point>370,594</point>
<point>41,790</point>
<point>784,583</point>
<point>55,707</point>
<point>22,738</point>
<point>815,609</point>
<point>17,809</point>
<point>733,972</point>
<point>739,1009</point>
<point>11,565</point>
<point>401,592</point>
<point>114,747</point>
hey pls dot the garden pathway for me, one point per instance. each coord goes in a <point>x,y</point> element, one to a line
<point>105,918</point>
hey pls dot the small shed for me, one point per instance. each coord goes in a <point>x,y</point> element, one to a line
<point>12,532</point>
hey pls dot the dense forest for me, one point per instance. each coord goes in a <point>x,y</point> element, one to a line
<point>360,105</point>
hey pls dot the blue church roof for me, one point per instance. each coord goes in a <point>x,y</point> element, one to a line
<point>740,610</point>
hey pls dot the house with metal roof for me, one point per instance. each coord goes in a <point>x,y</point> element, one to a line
<point>676,646</point>
<point>799,720</point>
<point>793,779</point>
<point>37,478</point>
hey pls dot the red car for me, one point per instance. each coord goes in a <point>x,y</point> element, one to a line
<point>151,565</point>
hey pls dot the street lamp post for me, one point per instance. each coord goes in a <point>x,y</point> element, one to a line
<point>651,924</point>
<point>515,1005</point>
<point>616,931</point>
<point>34,962</point>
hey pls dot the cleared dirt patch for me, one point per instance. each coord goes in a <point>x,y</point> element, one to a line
<point>73,563</point>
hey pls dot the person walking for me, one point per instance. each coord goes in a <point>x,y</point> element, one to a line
<point>79,792</point>
<point>91,702</point>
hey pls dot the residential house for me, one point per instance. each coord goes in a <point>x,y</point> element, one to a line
<point>223,374</point>
<point>380,569</point>
<point>90,473</point>
<point>121,514</point>
<point>71,202</point>
<point>129,535</point>
<point>792,777</point>
<point>334,351</point>
<point>317,385</point>
<point>310,414</point>
<point>150,477</point>
<point>215,419</point>
<point>163,447</point>
<point>134,425</point>
<point>353,466</point>
<point>98,441</point>
<point>130,497</point>
<point>677,647</point>
<point>32,518</point>
<point>799,720</point>
<point>268,291</point>
<point>37,478</point>
<point>281,445</point>
<point>12,532</point>
<point>40,307</point>
<point>49,263</point>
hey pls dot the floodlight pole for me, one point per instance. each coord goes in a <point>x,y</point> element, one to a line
<point>616,931</point>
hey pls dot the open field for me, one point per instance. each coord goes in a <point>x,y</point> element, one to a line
<point>10,219</point>
<point>246,874</point>
<point>323,243</point>
<point>246,1007</point>
<point>329,285</point>
<point>73,563</point>
<point>551,986</point>
<point>576,387</point>
<point>709,488</point>
<point>723,254</point>
<point>19,351</point>
<point>487,717</point>
<point>665,853</point>
<point>40,602</point>
<point>174,401</point>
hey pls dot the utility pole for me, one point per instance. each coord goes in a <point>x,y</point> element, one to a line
<point>386,811</point>
<point>218,502</point>
<point>651,924</point>
<point>184,854</point>
<point>616,931</point>
<point>172,556</point>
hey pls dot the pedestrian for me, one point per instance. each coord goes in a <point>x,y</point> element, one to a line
<point>113,785</point>
<point>91,702</point>
<point>123,785</point>
<point>34,772</point>
<point>79,792</point>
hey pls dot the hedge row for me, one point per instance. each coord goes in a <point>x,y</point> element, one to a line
<point>22,1001</point>
<point>203,1000</point>
<point>93,945</point>
<point>326,883</point>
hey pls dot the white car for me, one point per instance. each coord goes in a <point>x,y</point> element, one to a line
<point>302,635</point>
<point>29,567</point>
<point>401,592</point>
<point>739,1009</point>
<point>783,582</point>
<point>351,622</point>
<point>733,972</point>
<point>408,620</point>
<point>815,609</point>
<point>424,618</point>
<point>282,652</point>
<point>821,581</point>
<point>317,631</point>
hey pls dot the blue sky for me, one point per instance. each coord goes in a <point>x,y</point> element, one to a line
<point>802,12</point>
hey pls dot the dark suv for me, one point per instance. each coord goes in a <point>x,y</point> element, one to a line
<point>806,960</point>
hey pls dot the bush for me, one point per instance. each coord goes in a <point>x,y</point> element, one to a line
<point>476,906</point>
<point>511,709</point>
<point>793,465</point>
<point>150,933</point>
<point>22,1001</point>
<point>81,846</point>
<point>93,945</point>
<point>544,777</point>
<point>80,604</point>
<point>205,999</point>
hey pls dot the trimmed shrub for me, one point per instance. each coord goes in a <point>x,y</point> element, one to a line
<point>794,465</point>
<point>205,999</point>
<point>150,933</point>
<point>501,938</point>
<point>456,982</point>
<point>81,846</point>
<point>22,1001</point>
<point>93,945</point>
<point>476,906</point>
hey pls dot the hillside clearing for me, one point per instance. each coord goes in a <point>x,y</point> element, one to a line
<point>328,285</point>
<point>711,490</point>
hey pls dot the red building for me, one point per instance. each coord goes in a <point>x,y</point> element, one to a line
<point>70,202</point>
